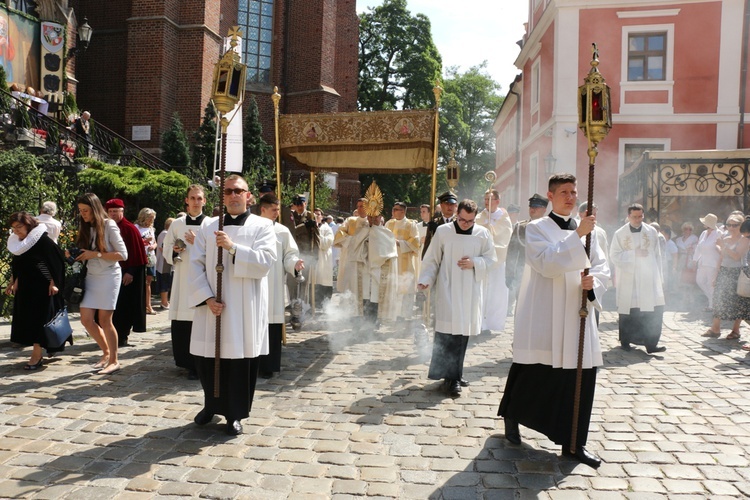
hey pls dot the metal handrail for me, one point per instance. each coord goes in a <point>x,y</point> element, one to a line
<point>22,121</point>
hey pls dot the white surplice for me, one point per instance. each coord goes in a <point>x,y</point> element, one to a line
<point>244,330</point>
<point>639,278</point>
<point>382,261</point>
<point>407,238</point>
<point>287,256</point>
<point>179,301</point>
<point>458,292</point>
<point>324,266</point>
<point>495,305</point>
<point>351,261</point>
<point>547,323</point>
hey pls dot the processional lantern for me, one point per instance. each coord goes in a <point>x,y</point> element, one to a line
<point>228,92</point>
<point>594,110</point>
<point>595,120</point>
<point>452,172</point>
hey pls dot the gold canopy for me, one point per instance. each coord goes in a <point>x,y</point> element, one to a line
<point>394,142</point>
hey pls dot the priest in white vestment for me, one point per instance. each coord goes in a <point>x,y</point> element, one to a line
<point>636,255</point>
<point>352,274</point>
<point>541,382</point>
<point>287,263</point>
<point>497,221</point>
<point>455,265</point>
<point>178,244</point>
<point>323,268</point>
<point>407,244</point>
<point>248,244</point>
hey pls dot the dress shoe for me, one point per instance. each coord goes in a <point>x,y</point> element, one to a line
<point>192,375</point>
<point>464,382</point>
<point>652,350</point>
<point>203,417</point>
<point>583,456</point>
<point>234,428</point>
<point>265,374</point>
<point>625,346</point>
<point>512,433</point>
<point>454,388</point>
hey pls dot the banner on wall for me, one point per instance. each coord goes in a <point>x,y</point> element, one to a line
<point>53,61</point>
<point>20,47</point>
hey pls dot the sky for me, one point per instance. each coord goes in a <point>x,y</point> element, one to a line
<point>471,31</point>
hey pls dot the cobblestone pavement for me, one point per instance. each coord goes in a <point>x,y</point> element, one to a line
<point>354,415</point>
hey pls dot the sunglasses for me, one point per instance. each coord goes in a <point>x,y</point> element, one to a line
<point>734,224</point>
<point>237,191</point>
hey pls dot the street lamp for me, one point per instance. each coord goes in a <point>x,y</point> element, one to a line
<point>595,119</point>
<point>228,92</point>
<point>549,163</point>
<point>84,37</point>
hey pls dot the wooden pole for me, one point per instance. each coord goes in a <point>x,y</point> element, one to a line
<point>220,256</point>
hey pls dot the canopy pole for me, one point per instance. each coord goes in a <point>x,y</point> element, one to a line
<point>437,90</point>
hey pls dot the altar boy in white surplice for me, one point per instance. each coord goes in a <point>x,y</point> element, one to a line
<point>456,264</point>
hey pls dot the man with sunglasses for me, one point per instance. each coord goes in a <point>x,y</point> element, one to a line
<point>636,255</point>
<point>248,245</point>
<point>456,264</point>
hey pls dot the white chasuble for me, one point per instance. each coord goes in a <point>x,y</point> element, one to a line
<point>458,292</point>
<point>638,272</point>
<point>382,259</point>
<point>547,321</point>
<point>495,293</point>
<point>244,321</point>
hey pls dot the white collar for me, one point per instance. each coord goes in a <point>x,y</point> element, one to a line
<point>19,247</point>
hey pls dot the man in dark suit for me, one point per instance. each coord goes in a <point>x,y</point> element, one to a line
<point>448,204</point>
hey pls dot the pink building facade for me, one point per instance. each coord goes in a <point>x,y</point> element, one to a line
<point>676,75</point>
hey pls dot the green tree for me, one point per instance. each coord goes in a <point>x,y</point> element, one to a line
<point>174,145</point>
<point>398,61</point>
<point>469,106</point>
<point>204,147</point>
<point>138,187</point>
<point>257,160</point>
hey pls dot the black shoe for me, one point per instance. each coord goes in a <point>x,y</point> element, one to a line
<point>454,388</point>
<point>583,456</point>
<point>203,417</point>
<point>625,346</point>
<point>234,428</point>
<point>512,433</point>
<point>192,375</point>
<point>265,374</point>
<point>652,350</point>
<point>464,382</point>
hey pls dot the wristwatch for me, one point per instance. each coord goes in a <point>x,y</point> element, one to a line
<point>99,254</point>
<point>233,250</point>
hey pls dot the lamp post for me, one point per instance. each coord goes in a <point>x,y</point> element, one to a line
<point>549,163</point>
<point>228,92</point>
<point>595,120</point>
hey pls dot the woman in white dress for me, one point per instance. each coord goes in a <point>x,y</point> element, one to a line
<point>101,248</point>
<point>145,225</point>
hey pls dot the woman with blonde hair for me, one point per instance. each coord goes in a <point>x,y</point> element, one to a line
<point>100,247</point>
<point>145,225</point>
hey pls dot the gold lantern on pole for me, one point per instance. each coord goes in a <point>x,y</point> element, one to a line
<point>595,120</point>
<point>228,92</point>
<point>452,172</point>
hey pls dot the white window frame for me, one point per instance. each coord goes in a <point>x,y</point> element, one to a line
<point>533,173</point>
<point>648,85</point>
<point>536,85</point>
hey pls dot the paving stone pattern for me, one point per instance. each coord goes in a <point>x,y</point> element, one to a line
<point>354,415</point>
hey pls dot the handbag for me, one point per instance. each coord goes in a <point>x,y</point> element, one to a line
<point>75,286</point>
<point>58,329</point>
<point>743,283</point>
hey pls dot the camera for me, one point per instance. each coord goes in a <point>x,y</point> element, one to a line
<point>74,253</point>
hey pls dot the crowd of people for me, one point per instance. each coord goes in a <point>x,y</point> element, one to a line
<point>460,272</point>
